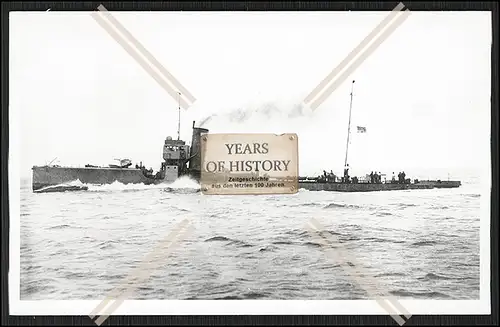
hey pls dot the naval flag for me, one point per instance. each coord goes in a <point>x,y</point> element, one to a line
<point>361,129</point>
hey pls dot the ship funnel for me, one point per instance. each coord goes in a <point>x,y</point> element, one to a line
<point>195,162</point>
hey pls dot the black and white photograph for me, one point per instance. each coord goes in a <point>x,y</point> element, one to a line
<point>347,155</point>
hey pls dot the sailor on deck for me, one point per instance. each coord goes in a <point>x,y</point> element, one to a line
<point>346,174</point>
<point>333,177</point>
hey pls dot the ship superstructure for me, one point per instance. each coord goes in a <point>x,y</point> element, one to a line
<point>179,159</point>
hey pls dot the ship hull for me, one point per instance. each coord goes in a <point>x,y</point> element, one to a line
<point>373,187</point>
<point>44,177</point>
<point>442,184</point>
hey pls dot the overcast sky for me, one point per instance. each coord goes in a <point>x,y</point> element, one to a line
<point>423,96</point>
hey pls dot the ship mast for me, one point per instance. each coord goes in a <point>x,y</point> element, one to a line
<point>50,163</point>
<point>179,120</point>
<point>349,126</point>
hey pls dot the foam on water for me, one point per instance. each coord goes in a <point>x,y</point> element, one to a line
<point>182,183</point>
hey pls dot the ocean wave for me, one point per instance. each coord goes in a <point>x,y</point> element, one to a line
<point>433,276</point>
<point>382,240</point>
<point>268,248</point>
<point>60,226</point>
<point>217,238</point>
<point>107,244</point>
<point>340,205</point>
<point>255,295</point>
<point>390,274</point>
<point>473,195</point>
<point>283,242</point>
<point>439,207</point>
<point>383,214</point>
<point>312,244</point>
<point>406,205</point>
<point>229,242</point>
<point>239,243</point>
<point>424,243</point>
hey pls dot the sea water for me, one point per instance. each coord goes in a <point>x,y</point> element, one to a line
<point>421,244</point>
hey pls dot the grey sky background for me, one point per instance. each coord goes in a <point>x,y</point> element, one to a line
<point>424,95</point>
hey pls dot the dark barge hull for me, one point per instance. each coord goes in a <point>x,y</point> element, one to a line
<point>371,187</point>
<point>44,176</point>
<point>442,184</point>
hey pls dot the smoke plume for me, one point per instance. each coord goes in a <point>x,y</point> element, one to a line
<point>268,111</point>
